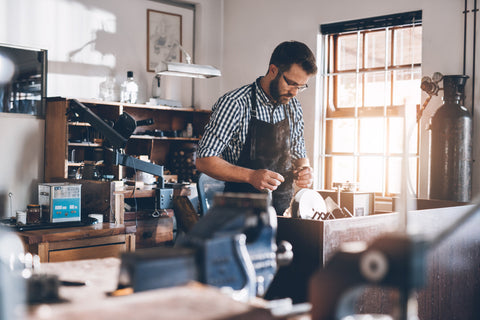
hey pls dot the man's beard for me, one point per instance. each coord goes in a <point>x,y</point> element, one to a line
<point>275,92</point>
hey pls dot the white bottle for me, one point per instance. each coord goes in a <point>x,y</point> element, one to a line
<point>129,89</point>
<point>189,130</point>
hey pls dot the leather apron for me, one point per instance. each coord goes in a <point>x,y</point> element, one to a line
<point>267,146</point>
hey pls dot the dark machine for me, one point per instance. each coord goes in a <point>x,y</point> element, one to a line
<point>117,136</point>
<point>232,246</point>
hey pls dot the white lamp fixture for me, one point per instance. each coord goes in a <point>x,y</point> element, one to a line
<point>169,68</point>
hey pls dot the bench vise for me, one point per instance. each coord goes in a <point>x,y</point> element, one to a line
<point>233,246</point>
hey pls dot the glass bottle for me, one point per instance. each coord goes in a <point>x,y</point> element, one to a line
<point>129,89</point>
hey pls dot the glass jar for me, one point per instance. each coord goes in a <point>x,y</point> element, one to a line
<point>33,214</point>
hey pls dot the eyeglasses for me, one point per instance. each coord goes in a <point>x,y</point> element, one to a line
<point>294,84</point>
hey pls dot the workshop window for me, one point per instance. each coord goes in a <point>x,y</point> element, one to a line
<point>371,73</point>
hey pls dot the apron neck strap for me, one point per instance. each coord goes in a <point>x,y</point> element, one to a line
<point>253,99</point>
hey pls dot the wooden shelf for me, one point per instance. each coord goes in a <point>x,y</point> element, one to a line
<point>84,144</point>
<point>60,130</point>
<point>142,106</point>
<point>79,124</point>
<point>147,137</point>
<point>75,164</point>
<point>129,192</point>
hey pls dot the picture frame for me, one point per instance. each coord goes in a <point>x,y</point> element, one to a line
<point>164,38</point>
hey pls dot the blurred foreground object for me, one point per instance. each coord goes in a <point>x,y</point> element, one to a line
<point>12,283</point>
<point>433,274</point>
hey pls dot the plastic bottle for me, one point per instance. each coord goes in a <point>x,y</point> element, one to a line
<point>129,89</point>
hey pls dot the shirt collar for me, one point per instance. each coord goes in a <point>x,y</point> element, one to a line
<point>263,99</point>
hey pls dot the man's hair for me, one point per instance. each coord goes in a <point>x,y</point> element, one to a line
<point>290,52</point>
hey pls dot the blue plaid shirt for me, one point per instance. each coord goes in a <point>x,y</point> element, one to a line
<point>226,132</point>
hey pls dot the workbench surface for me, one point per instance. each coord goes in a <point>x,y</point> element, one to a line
<point>192,301</point>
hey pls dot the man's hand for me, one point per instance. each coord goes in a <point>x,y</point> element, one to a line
<point>265,179</point>
<point>303,177</point>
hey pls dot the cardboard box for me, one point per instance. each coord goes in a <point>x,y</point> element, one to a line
<point>358,203</point>
<point>61,202</point>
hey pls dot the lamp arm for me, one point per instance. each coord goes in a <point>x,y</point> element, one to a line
<point>188,57</point>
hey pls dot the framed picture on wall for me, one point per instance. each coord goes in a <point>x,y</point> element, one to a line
<point>164,37</point>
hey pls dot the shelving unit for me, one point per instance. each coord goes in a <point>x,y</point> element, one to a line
<point>70,141</point>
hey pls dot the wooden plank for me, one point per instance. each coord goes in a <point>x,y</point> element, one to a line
<point>55,140</point>
<point>43,249</point>
<point>95,252</point>
<point>59,245</point>
<point>130,192</point>
<point>153,232</point>
<point>75,233</point>
<point>119,212</point>
<point>130,242</point>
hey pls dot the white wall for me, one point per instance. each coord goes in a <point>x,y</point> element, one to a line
<point>21,163</point>
<point>253,28</point>
<point>88,40</point>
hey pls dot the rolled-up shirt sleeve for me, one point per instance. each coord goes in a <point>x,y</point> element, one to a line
<point>220,129</point>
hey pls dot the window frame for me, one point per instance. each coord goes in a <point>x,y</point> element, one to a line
<point>359,111</point>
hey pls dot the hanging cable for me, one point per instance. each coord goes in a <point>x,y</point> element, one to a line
<point>474,53</point>
<point>465,11</point>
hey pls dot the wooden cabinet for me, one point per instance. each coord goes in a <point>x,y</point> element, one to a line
<point>77,243</point>
<point>70,141</point>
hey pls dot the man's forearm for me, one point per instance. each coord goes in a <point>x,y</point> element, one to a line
<point>220,169</point>
<point>302,162</point>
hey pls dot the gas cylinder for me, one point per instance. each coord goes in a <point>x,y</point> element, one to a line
<point>451,144</point>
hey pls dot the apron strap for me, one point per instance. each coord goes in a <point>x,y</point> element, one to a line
<point>253,100</point>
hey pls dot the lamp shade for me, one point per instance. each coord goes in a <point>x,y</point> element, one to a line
<point>187,70</point>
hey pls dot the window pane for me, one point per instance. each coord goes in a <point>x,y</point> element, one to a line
<point>377,89</point>
<point>346,90</point>
<point>347,52</point>
<point>375,49</point>
<point>395,175</point>
<point>395,136</point>
<point>371,135</point>
<point>406,83</point>
<point>342,169</point>
<point>371,174</point>
<point>343,135</point>
<point>408,46</point>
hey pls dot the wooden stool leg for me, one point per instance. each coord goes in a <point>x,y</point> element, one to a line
<point>43,251</point>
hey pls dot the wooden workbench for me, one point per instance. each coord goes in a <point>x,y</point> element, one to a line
<point>192,301</point>
<point>75,243</point>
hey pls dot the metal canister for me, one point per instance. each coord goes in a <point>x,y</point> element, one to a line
<point>33,213</point>
<point>451,149</point>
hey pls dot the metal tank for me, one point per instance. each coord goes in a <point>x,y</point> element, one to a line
<point>451,144</point>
